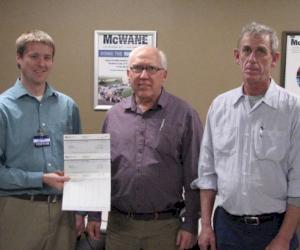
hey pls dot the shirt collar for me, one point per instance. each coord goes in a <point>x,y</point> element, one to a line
<point>237,95</point>
<point>270,97</point>
<point>20,90</point>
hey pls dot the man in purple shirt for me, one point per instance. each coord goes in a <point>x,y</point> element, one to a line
<point>155,144</point>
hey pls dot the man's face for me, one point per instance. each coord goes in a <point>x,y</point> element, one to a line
<point>36,63</point>
<point>146,84</point>
<point>255,58</point>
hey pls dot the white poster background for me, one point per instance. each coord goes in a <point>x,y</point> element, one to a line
<point>292,63</point>
<point>111,50</point>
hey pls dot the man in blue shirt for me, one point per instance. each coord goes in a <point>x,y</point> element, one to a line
<point>250,156</point>
<point>33,119</point>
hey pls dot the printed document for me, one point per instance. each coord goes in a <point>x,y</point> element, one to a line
<point>87,163</point>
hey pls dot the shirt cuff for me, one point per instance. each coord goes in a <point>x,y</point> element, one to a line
<point>207,182</point>
<point>190,226</point>
<point>82,213</point>
<point>35,179</point>
<point>94,216</point>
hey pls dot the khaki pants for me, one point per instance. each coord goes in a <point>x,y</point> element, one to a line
<point>35,225</point>
<point>128,234</point>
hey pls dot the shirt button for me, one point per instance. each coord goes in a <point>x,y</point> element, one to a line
<point>43,124</point>
<point>49,164</point>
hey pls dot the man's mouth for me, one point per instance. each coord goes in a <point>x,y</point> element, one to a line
<point>40,71</point>
<point>251,70</point>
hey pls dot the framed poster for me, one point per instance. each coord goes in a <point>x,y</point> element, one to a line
<point>290,61</point>
<point>111,50</point>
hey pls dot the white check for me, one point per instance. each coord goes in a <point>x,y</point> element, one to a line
<point>87,163</point>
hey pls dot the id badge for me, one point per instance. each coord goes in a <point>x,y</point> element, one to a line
<point>41,141</point>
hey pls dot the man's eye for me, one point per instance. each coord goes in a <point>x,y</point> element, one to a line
<point>247,50</point>
<point>48,58</point>
<point>139,68</point>
<point>261,51</point>
<point>151,69</point>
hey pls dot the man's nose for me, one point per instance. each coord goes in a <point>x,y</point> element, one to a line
<point>144,74</point>
<point>252,56</point>
<point>41,62</point>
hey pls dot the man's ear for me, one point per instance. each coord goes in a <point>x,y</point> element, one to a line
<point>236,54</point>
<point>165,75</point>
<point>18,59</point>
<point>275,59</point>
<point>128,78</point>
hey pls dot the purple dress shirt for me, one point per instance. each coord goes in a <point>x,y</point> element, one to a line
<point>155,157</point>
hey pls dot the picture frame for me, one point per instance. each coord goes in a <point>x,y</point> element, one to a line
<point>290,61</point>
<point>111,51</point>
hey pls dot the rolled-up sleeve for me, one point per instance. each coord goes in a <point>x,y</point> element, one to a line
<point>207,178</point>
<point>294,156</point>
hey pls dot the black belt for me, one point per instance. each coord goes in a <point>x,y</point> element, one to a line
<point>254,219</point>
<point>51,198</point>
<point>163,215</point>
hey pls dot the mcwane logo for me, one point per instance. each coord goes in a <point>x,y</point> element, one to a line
<point>125,39</point>
<point>295,42</point>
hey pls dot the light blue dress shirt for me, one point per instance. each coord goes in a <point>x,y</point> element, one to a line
<point>21,116</point>
<point>251,156</point>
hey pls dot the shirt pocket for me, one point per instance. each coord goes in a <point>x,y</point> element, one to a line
<point>60,128</point>
<point>56,131</point>
<point>225,140</point>
<point>271,144</point>
<point>167,140</point>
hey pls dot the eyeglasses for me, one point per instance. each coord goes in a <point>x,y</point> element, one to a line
<point>150,69</point>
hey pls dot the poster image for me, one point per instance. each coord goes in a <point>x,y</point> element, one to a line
<point>111,51</point>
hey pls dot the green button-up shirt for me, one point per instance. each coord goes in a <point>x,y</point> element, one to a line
<point>21,117</point>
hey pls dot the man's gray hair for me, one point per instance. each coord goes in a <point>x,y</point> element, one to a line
<point>161,54</point>
<point>260,29</point>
